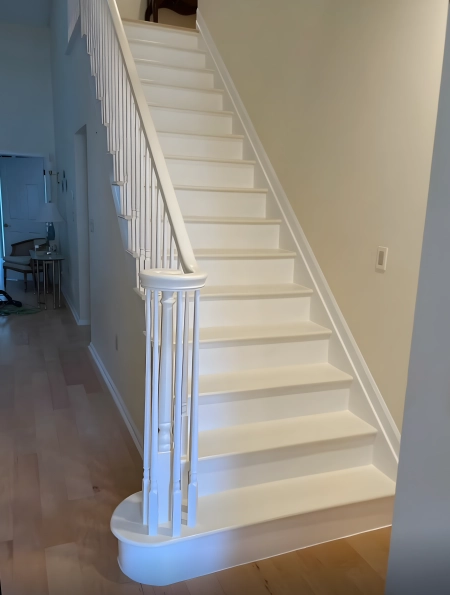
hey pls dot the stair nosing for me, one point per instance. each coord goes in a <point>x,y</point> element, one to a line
<point>222,113</point>
<point>201,89</point>
<point>231,220</point>
<point>221,189</point>
<point>166,45</point>
<point>257,293</point>
<point>208,136</point>
<point>164,65</point>
<point>212,159</point>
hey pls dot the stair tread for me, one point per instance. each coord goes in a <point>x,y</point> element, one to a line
<point>201,135</point>
<point>268,435</point>
<point>174,67</point>
<point>307,376</point>
<point>171,85</point>
<point>225,253</point>
<point>260,503</point>
<point>231,220</point>
<point>216,291</point>
<point>211,159</point>
<point>160,44</point>
<point>208,112</point>
<point>220,189</point>
<point>299,330</point>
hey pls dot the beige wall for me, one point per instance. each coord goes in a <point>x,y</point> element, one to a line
<point>344,95</point>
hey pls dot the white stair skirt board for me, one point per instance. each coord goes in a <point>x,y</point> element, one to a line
<point>253,523</point>
<point>296,446</point>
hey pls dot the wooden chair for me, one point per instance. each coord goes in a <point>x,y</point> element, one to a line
<point>184,7</point>
<point>20,260</point>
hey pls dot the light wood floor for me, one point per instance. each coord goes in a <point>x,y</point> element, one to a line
<point>66,461</point>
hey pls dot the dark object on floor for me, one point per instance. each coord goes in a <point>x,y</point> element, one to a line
<point>184,7</point>
<point>20,260</point>
<point>9,306</point>
<point>8,301</point>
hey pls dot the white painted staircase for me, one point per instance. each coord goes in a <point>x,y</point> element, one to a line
<point>292,447</point>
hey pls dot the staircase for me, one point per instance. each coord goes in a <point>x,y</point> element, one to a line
<point>275,445</point>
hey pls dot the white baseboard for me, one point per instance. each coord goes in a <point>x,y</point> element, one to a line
<point>135,434</point>
<point>360,368</point>
<point>78,320</point>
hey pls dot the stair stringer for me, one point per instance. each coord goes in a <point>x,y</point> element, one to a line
<point>366,400</point>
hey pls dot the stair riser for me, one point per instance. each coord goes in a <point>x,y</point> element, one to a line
<point>236,471</point>
<point>248,271</point>
<point>183,98</point>
<point>192,122</point>
<point>221,204</point>
<point>171,56</point>
<point>203,173</point>
<point>175,76</point>
<point>162,35</point>
<point>235,312</point>
<point>232,411</point>
<point>214,235</point>
<point>201,146</point>
<point>235,357</point>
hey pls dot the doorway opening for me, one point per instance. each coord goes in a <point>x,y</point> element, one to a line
<point>22,194</point>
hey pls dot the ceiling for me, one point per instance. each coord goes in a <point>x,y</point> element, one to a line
<point>25,12</point>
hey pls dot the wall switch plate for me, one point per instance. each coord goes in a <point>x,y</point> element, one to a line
<point>382,254</point>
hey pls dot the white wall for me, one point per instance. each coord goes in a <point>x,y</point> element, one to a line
<point>115,308</point>
<point>344,98</point>
<point>26,104</point>
<point>418,561</point>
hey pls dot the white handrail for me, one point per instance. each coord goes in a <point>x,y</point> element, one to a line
<point>186,254</point>
<point>166,270</point>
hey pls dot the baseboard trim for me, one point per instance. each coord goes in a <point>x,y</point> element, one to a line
<point>362,373</point>
<point>118,400</point>
<point>76,316</point>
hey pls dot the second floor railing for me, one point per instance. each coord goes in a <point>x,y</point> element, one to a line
<point>166,271</point>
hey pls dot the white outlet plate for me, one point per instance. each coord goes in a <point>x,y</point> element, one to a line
<point>381,262</point>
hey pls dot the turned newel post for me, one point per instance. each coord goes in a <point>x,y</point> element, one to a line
<point>166,372</point>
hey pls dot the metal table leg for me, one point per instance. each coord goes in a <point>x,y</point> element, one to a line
<point>53,285</point>
<point>38,284</point>
<point>59,284</point>
<point>44,268</point>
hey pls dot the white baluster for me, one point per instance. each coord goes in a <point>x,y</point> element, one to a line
<point>166,372</point>
<point>147,407</point>
<point>193,439</point>
<point>177,422</point>
<point>153,513</point>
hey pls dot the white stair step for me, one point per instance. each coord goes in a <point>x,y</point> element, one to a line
<point>170,119</point>
<point>168,54</point>
<point>175,36</point>
<point>246,267</point>
<point>257,395</point>
<point>175,75</point>
<point>263,452</point>
<point>245,524</point>
<point>233,232</point>
<point>250,304</point>
<point>232,349</point>
<point>200,145</point>
<point>207,172</point>
<point>183,97</point>
<point>221,202</point>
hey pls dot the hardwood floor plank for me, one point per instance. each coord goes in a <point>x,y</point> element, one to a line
<point>63,570</point>
<point>6,486</point>
<point>242,579</point>
<point>373,547</point>
<point>6,568</point>
<point>205,585</point>
<point>57,385</point>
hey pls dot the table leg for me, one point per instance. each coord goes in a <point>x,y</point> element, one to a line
<point>38,284</point>
<point>59,284</point>
<point>44,268</point>
<point>53,285</point>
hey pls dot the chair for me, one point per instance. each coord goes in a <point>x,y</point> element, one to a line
<point>20,260</point>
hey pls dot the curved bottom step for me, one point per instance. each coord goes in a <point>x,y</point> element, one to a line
<point>248,524</point>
